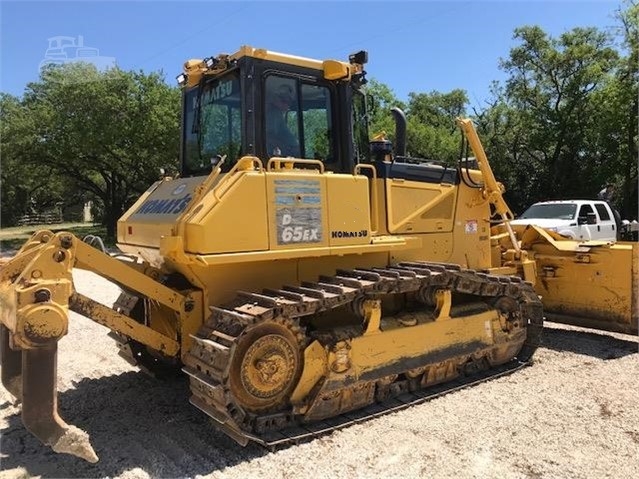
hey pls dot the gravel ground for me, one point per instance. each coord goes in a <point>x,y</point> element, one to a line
<point>573,414</point>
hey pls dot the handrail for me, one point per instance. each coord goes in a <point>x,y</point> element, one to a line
<point>275,163</point>
<point>374,203</point>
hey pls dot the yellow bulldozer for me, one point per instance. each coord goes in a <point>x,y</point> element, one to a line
<point>303,276</point>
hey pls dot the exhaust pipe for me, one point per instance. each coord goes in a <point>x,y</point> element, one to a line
<point>400,131</point>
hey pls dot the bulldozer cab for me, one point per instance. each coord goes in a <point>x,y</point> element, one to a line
<point>257,103</point>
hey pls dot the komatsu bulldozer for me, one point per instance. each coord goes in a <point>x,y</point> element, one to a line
<point>302,276</point>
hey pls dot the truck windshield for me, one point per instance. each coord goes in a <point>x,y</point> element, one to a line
<point>212,125</point>
<point>551,211</point>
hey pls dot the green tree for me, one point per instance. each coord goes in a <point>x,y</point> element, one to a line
<point>542,122</point>
<point>615,123</point>
<point>498,127</point>
<point>381,99</point>
<point>26,188</point>
<point>106,132</point>
<point>432,132</point>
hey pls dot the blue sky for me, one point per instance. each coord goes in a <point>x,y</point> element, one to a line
<point>415,46</point>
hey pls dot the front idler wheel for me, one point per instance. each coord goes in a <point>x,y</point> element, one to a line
<point>266,367</point>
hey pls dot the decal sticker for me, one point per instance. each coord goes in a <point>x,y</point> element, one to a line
<point>349,234</point>
<point>471,227</point>
<point>222,90</point>
<point>298,211</point>
<point>164,207</point>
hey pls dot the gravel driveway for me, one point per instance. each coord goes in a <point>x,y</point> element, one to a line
<point>573,414</point>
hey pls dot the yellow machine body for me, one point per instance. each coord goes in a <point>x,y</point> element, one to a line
<point>295,224</point>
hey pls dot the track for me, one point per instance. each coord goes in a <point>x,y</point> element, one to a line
<point>211,357</point>
<point>305,432</point>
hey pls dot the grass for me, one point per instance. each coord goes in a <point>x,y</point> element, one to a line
<point>12,239</point>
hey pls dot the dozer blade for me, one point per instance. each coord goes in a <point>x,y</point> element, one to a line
<point>591,284</point>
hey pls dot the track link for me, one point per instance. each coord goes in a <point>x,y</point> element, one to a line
<point>209,361</point>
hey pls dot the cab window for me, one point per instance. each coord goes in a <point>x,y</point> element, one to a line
<point>359,120</point>
<point>603,212</point>
<point>298,119</point>
<point>213,125</point>
<point>584,211</point>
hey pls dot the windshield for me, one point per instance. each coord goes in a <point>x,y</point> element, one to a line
<point>212,125</point>
<point>551,211</point>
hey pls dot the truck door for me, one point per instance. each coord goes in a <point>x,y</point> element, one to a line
<point>588,223</point>
<point>608,223</point>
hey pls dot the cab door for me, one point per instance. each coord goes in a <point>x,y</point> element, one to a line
<point>608,223</point>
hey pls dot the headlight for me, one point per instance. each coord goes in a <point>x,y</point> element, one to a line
<point>181,79</point>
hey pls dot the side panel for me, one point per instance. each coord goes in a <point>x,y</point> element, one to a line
<point>349,219</point>
<point>452,221</point>
<point>416,207</point>
<point>471,233</point>
<point>312,210</point>
<point>231,217</point>
<point>154,214</point>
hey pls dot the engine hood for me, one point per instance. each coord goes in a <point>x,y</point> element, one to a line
<point>156,211</point>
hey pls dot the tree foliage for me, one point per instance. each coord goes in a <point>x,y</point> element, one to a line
<point>431,131</point>
<point>79,133</point>
<point>381,99</point>
<point>619,119</point>
<point>564,123</point>
<point>551,85</point>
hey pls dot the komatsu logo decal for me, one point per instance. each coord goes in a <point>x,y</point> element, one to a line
<point>349,234</point>
<point>164,207</point>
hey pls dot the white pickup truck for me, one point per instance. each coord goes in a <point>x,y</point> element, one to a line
<point>581,220</point>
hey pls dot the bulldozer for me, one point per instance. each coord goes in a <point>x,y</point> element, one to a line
<point>303,281</point>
